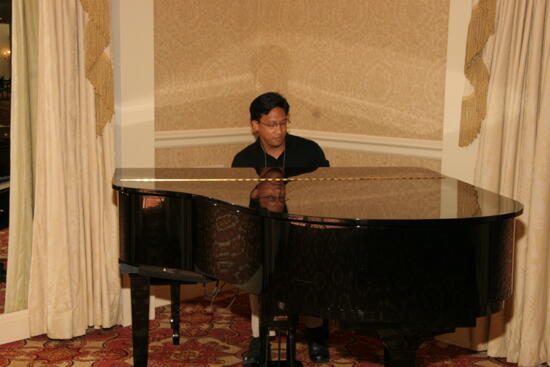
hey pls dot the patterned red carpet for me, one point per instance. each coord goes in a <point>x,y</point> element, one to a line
<point>212,336</point>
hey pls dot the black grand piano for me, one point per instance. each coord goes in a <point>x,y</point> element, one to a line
<point>399,253</point>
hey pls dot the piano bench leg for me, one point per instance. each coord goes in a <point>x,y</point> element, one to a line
<point>290,360</point>
<point>291,341</point>
<point>175,312</point>
<point>265,354</point>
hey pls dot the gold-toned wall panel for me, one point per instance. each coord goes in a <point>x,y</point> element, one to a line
<point>360,66</point>
<point>200,156</point>
<point>204,62</point>
<point>222,155</point>
<point>346,158</point>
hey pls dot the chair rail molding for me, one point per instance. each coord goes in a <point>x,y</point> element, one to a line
<point>421,148</point>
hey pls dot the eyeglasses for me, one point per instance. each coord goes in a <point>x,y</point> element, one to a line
<point>274,125</point>
<point>273,199</point>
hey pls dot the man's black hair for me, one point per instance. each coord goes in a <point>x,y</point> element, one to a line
<point>264,103</point>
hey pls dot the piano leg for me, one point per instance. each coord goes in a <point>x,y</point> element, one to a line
<point>399,358</point>
<point>175,309</point>
<point>400,346</point>
<point>139,288</point>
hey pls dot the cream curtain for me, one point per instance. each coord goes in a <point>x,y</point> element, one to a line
<point>74,280</point>
<point>23,126</point>
<point>514,160</point>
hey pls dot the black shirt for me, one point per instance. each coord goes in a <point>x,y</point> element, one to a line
<point>299,152</point>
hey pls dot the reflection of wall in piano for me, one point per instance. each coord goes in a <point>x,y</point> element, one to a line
<point>361,67</point>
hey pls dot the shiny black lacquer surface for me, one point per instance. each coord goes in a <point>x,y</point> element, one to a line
<point>345,195</point>
<point>156,226</point>
<point>428,275</point>
<point>404,251</point>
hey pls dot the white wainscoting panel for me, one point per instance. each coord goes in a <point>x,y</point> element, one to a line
<point>355,142</point>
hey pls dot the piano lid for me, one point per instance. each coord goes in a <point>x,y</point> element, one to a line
<point>343,195</point>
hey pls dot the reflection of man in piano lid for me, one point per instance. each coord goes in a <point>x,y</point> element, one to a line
<point>269,195</point>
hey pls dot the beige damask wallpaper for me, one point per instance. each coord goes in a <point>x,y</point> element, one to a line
<point>222,155</point>
<point>358,66</point>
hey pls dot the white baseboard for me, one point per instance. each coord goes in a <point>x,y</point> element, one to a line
<point>14,326</point>
<point>420,148</point>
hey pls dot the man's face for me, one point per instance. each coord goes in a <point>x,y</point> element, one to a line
<point>272,128</point>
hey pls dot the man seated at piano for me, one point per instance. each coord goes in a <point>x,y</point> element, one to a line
<point>274,147</point>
